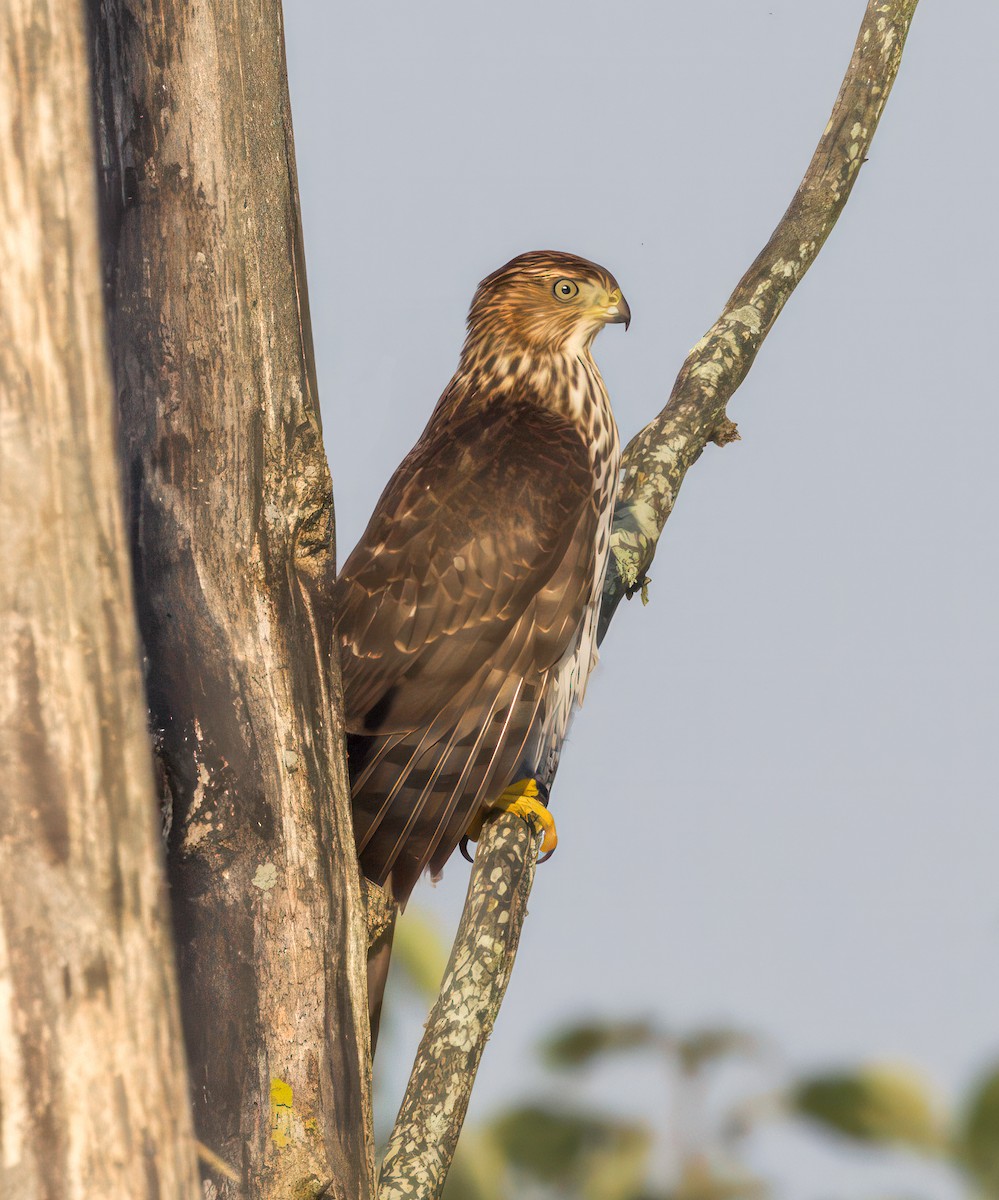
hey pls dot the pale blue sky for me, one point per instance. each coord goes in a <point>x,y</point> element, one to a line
<point>778,807</point>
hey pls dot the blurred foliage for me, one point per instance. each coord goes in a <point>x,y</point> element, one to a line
<point>977,1139</point>
<point>418,953</point>
<point>705,1046</point>
<point>579,1045</point>
<point>561,1149</point>
<point>586,1155</point>
<point>885,1104</point>
<point>479,1169</point>
<point>582,1044</point>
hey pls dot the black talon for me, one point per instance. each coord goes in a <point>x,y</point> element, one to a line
<point>545,857</point>
<point>463,847</point>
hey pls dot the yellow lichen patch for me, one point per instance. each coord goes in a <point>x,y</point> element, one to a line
<point>281,1113</point>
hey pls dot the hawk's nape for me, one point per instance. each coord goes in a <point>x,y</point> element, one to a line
<point>466,615</point>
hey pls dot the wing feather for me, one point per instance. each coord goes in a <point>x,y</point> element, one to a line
<point>472,526</point>
<point>467,588</point>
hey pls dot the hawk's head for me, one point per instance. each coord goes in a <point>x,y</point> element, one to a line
<point>546,300</point>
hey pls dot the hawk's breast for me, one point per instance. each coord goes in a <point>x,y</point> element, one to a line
<point>588,405</point>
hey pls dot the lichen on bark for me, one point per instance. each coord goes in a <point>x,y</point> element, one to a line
<point>426,1131</point>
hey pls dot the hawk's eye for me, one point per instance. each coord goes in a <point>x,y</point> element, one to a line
<point>565,289</point>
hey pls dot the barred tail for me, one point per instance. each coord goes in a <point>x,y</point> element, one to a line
<point>416,793</point>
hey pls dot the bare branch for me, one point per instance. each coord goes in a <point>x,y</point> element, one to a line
<point>433,1111</point>
<point>656,460</point>
<point>655,463</point>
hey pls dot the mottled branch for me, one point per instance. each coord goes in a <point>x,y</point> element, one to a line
<point>656,460</point>
<point>433,1111</point>
<point>655,463</point>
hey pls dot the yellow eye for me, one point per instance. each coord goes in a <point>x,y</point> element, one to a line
<point>565,289</point>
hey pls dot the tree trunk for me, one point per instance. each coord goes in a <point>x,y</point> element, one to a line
<point>94,1100</point>
<point>230,508</point>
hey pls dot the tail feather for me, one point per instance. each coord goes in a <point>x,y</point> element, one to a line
<point>401,770</point>
<point>415,793</point>
<point>403,752</point>
<point>499,772</point>
<point>458,789</point>
<point>425,795</point>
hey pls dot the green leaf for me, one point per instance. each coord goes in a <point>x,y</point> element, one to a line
<point>618,1169</point>
<point>478,1171</point>
<point>547,1145</point>
<point>594,1157</point>
<point>978,1138</point>
<point>702,1180</point>
<point>579,1045</point>
<point>707,1045</point>
<point>876,1104</point>
<point>419,951</point>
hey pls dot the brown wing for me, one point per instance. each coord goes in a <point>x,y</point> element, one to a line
<point>471,527</point>
<point>467,587</point>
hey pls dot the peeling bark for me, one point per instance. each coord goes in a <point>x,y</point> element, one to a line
<point>94,1099</point>
<point>231,521</point>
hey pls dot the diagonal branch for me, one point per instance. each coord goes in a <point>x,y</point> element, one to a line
<point>426,1131</point>
<point>656,459</point>
<point>654,466</point>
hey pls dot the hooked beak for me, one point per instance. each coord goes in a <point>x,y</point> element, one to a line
<point>618,312</point>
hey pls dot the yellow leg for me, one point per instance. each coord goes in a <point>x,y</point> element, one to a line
<point>522,798</point>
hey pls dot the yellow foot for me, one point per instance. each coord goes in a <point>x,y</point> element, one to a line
<point>522,798</point>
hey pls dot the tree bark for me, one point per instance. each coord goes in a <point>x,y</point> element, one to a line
<point>230,509</point>
<point>94,1099</point>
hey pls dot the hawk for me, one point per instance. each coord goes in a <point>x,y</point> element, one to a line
<point>466,615</point>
